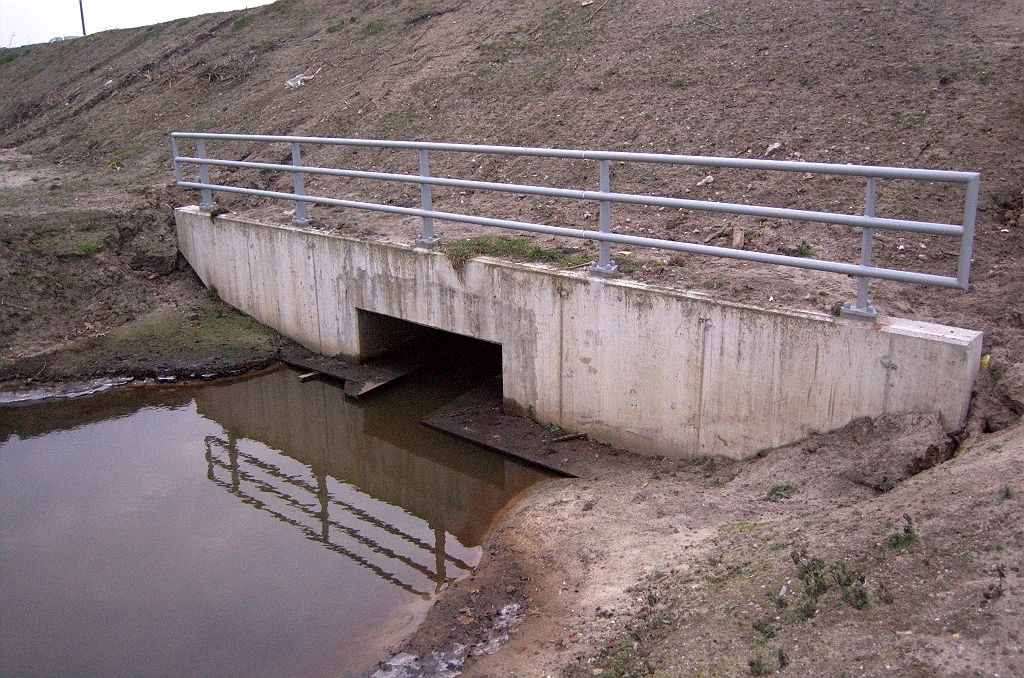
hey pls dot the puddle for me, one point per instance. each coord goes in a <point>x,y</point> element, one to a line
<point>266,527</point>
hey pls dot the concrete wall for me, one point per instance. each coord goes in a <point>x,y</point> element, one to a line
<point>658,372</point>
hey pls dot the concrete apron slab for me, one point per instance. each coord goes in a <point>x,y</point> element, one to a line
<point>658,372</point>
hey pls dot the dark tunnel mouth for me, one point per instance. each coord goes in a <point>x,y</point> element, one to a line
<point>384,336</point>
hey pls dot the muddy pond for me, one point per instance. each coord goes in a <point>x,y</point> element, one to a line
<point>264,527</point>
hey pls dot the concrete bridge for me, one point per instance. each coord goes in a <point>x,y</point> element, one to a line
<point>658,372</point>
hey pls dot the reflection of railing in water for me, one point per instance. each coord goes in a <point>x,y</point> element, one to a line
<point>235,466</point>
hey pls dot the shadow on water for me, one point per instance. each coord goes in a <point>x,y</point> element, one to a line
<point>406,505</point>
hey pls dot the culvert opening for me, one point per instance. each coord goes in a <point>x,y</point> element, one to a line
<point>452,356</point>
<point>455,388</point>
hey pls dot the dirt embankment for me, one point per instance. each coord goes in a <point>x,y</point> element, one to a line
<point>883,82</point>
<point>795,563</point>
<point>638,566</point>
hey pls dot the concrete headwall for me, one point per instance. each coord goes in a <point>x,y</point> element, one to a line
<point>656,371</point>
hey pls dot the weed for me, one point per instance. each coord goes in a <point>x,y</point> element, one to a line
<point>760,667</point>
<point>374,26</point>
<point>334,28</point>
<point>804,249</point>
<point>994,448</point>
<point>984,78</point>
<point>902,540</point>
<point>243,22</point>
<point>709,464</point>
<point>780,492</point>
<point>765,630</point>
<point>624,659</point>
<point>87,247</point>
<point>521,249</point>
<point>783,659</point>
<point>1006,492</point>
<point>655,575</point>
<point>819,576</point>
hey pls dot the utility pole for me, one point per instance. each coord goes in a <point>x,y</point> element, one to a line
<point>81,11</point>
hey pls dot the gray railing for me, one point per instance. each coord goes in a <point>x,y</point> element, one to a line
<point>864,270</point>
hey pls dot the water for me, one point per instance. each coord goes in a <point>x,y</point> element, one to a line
<point>266,527</point>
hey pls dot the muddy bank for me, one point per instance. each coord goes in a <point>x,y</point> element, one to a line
<point>804,561</point>
<point>86,294</point>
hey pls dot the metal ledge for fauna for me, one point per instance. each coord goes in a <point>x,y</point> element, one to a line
<point>863,270</point>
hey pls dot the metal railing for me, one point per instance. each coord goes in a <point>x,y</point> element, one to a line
<point>864,270</point>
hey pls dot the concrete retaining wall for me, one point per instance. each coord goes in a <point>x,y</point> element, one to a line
<point>658,372</point>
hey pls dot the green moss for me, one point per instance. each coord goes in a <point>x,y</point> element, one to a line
<point>519,249</point>
<point>210,330</point>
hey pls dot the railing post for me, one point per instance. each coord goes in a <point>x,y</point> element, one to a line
<point>207,204</point>
<point>604,264</point>
<point>864,310</point>
<point>428,237</point>
<point>174,160</point>
<point>963,273</point>
<point>300,187</point>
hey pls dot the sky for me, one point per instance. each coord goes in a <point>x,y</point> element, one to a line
<point>23,22</point>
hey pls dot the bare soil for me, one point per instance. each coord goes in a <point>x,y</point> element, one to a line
<point>637,566</point>
<point>646,567</point>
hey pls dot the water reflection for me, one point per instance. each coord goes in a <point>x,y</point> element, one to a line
<point>300,501</point>
<point>139,504</point>
<point>405,501</point>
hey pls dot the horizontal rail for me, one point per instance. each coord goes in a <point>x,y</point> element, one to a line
<point>615,156</point>
<point>597,196</point>
<point>692,248</point>
<point>868,222</point>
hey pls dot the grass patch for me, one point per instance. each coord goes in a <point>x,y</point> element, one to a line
<point>624,659</point>
<point>214,330</point>
<point>902,540</point>
<point>336,28</point>
<point>765,630</point>
<point>709,464</point>
<point>87,247</point>
<point>760,667</point>
<point>804,249</point>
<point>516,248</point>
<point>819,577</point>
<point>1006,492</point>
<point>374,26</point>
<point>782,491</point>
<point>243,22</point>
<point>9,55</point>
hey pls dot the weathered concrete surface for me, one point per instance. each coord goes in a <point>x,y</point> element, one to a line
<point>658,372</point>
